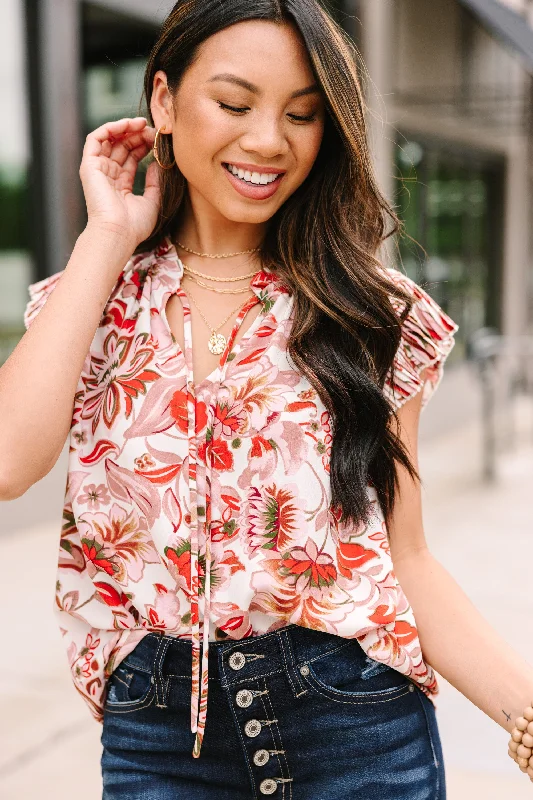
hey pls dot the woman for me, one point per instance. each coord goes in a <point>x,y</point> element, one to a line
<point>252,464</point>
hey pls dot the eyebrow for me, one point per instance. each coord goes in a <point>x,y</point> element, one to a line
<point>229,78</point>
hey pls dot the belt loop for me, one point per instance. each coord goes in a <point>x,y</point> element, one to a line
<point>161,686</point>
<point>290,662</point>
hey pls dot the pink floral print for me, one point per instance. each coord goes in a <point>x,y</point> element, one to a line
<point>204,511</point>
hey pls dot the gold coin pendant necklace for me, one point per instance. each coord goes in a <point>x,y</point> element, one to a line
<point>217,341</point>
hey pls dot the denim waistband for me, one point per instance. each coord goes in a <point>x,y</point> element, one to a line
<point>286,648</point>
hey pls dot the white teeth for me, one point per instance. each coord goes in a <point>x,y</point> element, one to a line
<point>253,177</point>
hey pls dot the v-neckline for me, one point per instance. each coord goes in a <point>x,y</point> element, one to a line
<point>218,372</point>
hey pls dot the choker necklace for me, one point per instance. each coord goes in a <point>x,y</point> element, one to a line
<point>216,255</point>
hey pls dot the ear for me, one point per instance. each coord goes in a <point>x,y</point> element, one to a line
<point>161,106</point>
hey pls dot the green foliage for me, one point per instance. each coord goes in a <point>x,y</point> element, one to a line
<point>14,208</point>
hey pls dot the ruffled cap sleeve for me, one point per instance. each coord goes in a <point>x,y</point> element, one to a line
<point>427,339</point>
<point>39,294</point>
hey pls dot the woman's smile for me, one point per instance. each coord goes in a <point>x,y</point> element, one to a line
<point>253,184</point>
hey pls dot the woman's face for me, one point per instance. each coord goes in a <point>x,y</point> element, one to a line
<point>249,101</point>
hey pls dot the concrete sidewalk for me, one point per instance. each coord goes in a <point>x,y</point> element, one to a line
<point>483,535</point>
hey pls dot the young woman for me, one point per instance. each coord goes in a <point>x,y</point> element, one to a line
<point>241,381</point>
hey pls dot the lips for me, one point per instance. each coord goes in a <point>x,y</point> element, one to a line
<point>253,191</point>
<point>255,178</point>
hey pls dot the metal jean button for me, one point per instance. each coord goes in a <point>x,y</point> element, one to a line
<point>252,728</point>
<point>261,757</point>
<point>237,660</point>
<point>244,698</point>
<point>304,670</point>
<point>268,786</point>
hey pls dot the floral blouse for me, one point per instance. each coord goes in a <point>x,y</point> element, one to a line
<point>186,504</point>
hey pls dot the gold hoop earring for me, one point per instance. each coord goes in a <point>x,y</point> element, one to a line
<point>156,152</point>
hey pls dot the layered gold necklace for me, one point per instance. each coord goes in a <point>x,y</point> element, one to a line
<point>217,341</point>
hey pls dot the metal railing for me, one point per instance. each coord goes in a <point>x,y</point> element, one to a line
<point>504,364</point>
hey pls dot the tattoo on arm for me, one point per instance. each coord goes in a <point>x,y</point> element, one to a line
<point>508,716</point>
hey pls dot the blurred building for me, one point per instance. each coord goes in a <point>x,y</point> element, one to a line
<point>452,132</point>
<point>450,93</point>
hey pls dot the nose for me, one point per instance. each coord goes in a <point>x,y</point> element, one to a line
<point>265,136</point>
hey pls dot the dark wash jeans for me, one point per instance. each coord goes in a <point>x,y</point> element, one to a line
<point>325,722</point>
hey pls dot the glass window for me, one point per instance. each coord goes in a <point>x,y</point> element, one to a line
<point>450,202</point>
<point>16,267</point>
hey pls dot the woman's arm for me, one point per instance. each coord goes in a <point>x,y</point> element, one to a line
<point>39,379</point>
<point>455,638</point>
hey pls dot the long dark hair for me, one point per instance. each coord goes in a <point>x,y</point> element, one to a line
<point>323,242</point>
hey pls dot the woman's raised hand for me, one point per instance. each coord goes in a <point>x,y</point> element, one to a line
<point>111,155</point>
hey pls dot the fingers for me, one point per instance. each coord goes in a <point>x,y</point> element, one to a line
<point>111,132</point>
<point>151,185</point>
<point>120,150</point>
<point>134,156</point>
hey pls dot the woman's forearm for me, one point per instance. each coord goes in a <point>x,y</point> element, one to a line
<point>460,644</point>
<point>39,379</point>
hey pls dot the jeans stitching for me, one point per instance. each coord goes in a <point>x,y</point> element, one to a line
<point>232,647</point>
<point>278,745</point>
<point>119,708</point>
<point>287,670</point>
<point>252,639</point>
<point>170,674</point>
<point>118,703</point>
<point>125,683</point>
<point>328,653</point>
<point>154,667</point>
<point>243,743</point>
<point>160,681</point>
<point>321,690</point>
<point>292,662</point>
<point>235,681</point>
<point>432,743</point>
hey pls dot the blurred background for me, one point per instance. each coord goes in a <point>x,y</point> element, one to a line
<point>450,98</point>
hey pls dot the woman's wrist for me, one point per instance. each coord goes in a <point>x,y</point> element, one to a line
<point>100,255</point>
<point>521,741</point>
<point>114,235</point>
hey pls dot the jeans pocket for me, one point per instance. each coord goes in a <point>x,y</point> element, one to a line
<point>349,674</point>
<point>129,688</point>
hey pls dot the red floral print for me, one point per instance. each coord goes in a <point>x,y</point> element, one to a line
<point>188,507</point>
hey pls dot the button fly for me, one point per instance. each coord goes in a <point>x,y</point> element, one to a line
<point>268,786</point>
<point>237,660</point>
<point>244,698</point>
<point>252,728</point>
<point>261,757</point>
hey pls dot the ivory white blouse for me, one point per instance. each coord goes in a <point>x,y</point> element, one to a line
<point>184,506</point>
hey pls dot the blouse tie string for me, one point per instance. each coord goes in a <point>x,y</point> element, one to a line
<point>200,534</point>
<point>194,565</point>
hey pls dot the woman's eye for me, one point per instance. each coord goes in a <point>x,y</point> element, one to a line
<point>238,110</point>
<point>232,108</point>
<point>309,118</point>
